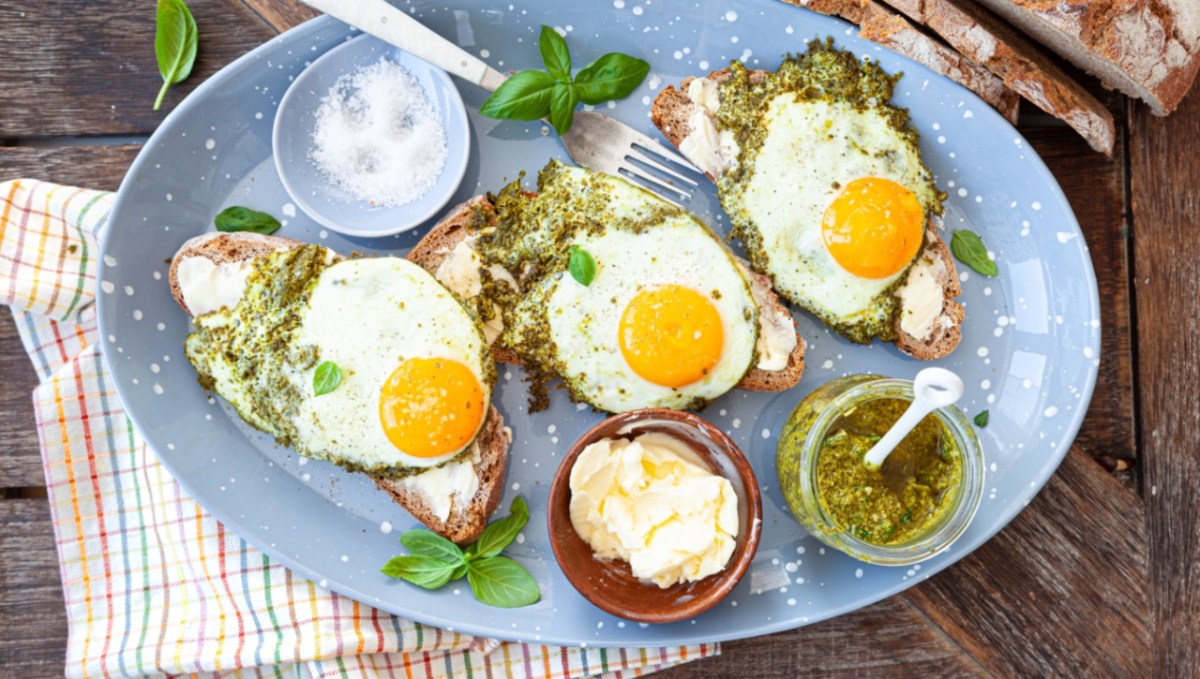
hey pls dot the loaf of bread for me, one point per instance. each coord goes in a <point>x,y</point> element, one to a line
<point>998,47</point>
<point>1148,49</point>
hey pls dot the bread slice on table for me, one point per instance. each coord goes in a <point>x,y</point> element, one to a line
<point>883,26</point>
<point>981,36</point>
<point>489,451</point>
<point>671,113</point>
<point>433,249</point>
<point>1149,49</point>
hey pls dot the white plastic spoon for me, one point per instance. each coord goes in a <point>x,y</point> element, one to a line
<point>933,388</point>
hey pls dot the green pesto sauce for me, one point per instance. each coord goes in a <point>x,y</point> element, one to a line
<point>529,236</point>
<point>903,499</point>
<point>822,73</point>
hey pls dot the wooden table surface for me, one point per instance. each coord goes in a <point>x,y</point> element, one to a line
<point>1099,576</point>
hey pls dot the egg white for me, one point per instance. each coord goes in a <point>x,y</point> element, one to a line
<point>812,149</point>
<point>584,320</point>
<point>367,316</point>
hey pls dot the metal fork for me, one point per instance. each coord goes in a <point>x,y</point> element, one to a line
<point>595,140</point>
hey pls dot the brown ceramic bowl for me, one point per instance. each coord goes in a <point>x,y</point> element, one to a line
<point>609,584</point>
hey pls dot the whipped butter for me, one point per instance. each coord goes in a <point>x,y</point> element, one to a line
<point>459,272</point>
<point>441,486</point>
<point>208,286</point>
<point>710,150</point>
<point>921,298</point>
<point>654,503</point>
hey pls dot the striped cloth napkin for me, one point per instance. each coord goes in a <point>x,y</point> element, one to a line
<point>152,583</point>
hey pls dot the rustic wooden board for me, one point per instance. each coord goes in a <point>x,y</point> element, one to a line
<point>1165,173</point>
<point>891,637</point>
<point>1061,590</point>
<point>32,616</point>
<point>88,68</point>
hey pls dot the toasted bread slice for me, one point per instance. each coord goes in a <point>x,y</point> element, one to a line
<point>489,451</point>
<point>671,113</point>
<point>447,234</point>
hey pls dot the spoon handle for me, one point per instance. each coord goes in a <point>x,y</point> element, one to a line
<point>393,26</point>
<point>907,422</point>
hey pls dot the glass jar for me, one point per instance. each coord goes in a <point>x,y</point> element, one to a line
<point>800,445</point>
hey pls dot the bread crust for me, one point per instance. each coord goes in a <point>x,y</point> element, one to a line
<point>466,521</point>
<point>671,111</point>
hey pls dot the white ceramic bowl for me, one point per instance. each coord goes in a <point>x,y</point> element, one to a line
<point>308,186</point>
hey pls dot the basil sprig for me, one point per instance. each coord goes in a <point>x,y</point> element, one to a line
<point>496,580</point>
<point>968,247</point>
<point>175,38</point>
<point>326,378</point>
<point>553,94</point>
<point>981,420</point>
<point>238,218</point>
<point>581,265</point>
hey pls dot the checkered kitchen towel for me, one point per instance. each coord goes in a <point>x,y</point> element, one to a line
<point>153,584</point>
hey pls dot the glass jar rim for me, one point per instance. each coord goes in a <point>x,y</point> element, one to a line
<point>938,538</point>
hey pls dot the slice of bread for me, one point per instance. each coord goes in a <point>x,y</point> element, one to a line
<point>1148,49</point>
<point>489,451</point>
<point>436,245</point>
<point>897,34</point>
<point>671,113</point>
<point>878,24</point>
<point>981,36</point>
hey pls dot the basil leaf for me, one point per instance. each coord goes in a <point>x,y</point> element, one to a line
<point>327,378</point>
<point>555,55</point>
<point>581,265</point>
<point>422,571</point>
<point>562,107</point>
<point>969,249</point>
<point>175,38</point>
<point>612,76</point>
<point>981,420</point>
<point>238,218</point>
<point>500,581</point>
<point>525,96</point>
<point>459,571</point>
<point>427,543</point>
<point>500,534</point>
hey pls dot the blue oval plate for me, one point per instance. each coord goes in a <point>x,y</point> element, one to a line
<point>313,192</point>
<point>1029,352</point>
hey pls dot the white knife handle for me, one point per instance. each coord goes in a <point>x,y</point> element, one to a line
<point>389,24</point>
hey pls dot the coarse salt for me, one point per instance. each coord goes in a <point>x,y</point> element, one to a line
<point>377,137</point>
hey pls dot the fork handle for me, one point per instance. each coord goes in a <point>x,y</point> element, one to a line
<point>389,24</point>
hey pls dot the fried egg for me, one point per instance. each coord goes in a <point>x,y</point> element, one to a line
<point>416,373</point>
<point>830,194</point>
<point>668,320</point>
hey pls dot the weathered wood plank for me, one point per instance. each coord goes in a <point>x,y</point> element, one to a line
<point>88,68</point>
<point>282,14</point>
<point>1095,188</point>
<point>98,167</point>
<point>1061,591</point>
<point>1165,174</point>
<point>19,449</point>
<point>93,167</point>
<point>891,638</point>
<point>34,635</point>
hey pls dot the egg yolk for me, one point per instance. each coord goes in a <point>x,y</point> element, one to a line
<point>431,406</point>
<point>671,335</point>
<point>874,227</point>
